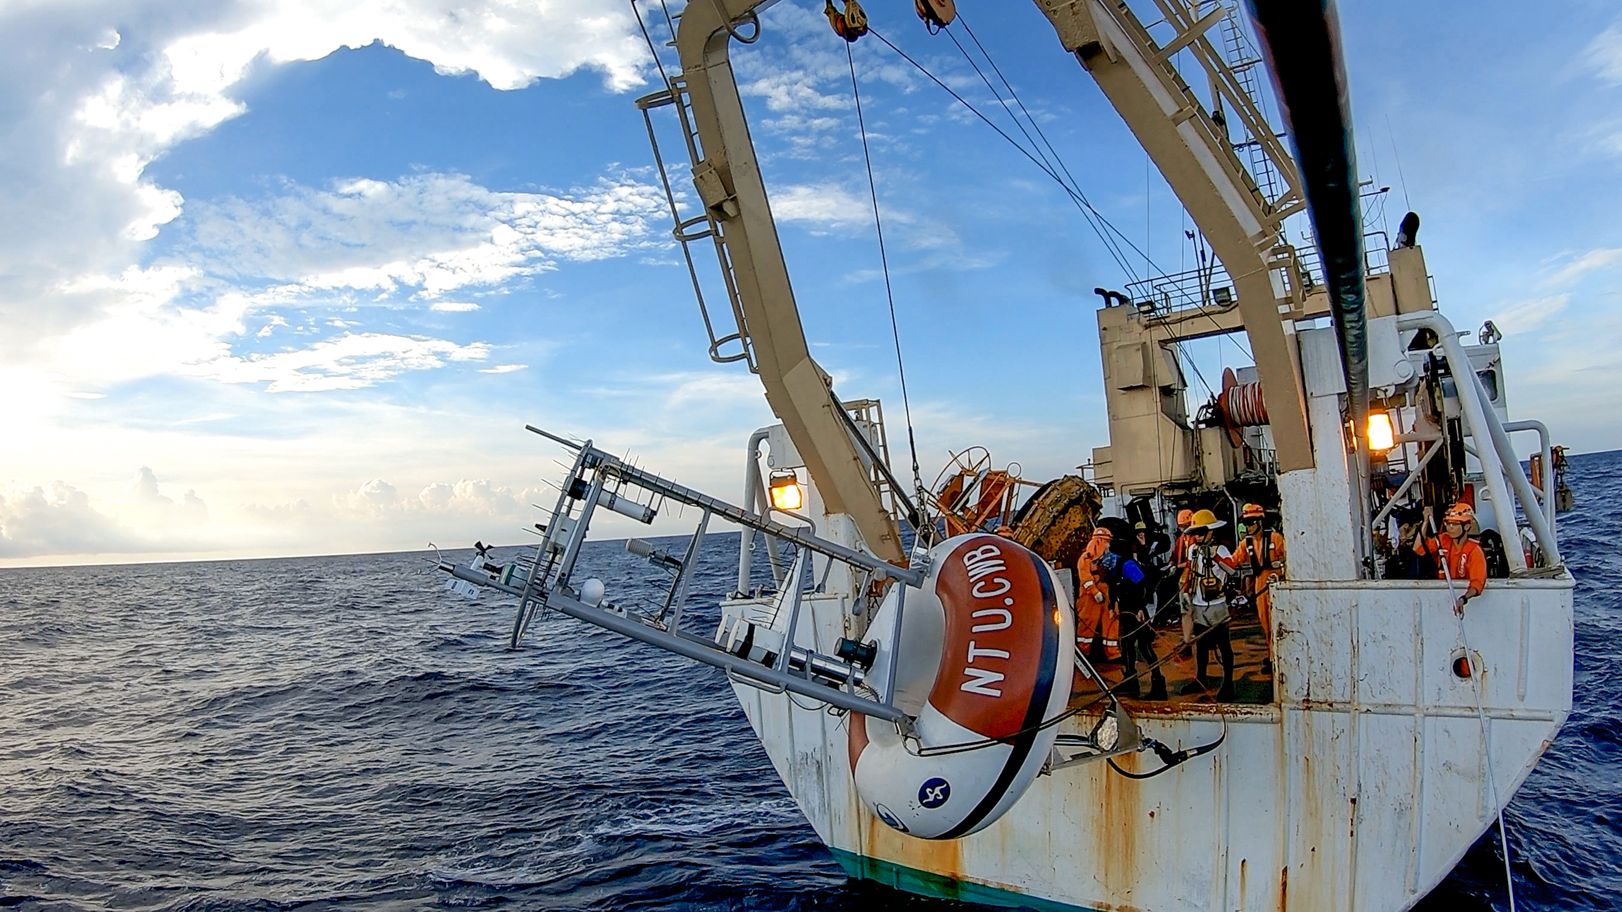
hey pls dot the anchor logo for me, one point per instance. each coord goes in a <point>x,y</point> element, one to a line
<point>934,792</point>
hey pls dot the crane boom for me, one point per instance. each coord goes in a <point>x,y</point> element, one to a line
<point>1193,154</point>
<point>728,180</point>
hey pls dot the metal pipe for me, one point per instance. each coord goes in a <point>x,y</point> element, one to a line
<point>678,587</point>
<point>796,588</point>
<point>1510,465</point>
<point>713,655</point>
<point>1473,397</point>
<point>751,490</point>
<point>804,538</point>
<point>1548,464</point>
<point>895,641</point>
<point>1406,484</point>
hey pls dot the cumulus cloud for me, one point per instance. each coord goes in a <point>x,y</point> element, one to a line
<point>90,107</point>
<point>425,235</point>
<point>60,519</point>
<point>822,207</point>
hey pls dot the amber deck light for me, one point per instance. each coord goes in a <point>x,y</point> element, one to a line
<point>1381,436</point>
<point>786,492</point>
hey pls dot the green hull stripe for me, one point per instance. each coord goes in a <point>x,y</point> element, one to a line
<point>912,880</point>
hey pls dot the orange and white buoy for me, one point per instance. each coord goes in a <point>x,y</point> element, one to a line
<point>984,661</point>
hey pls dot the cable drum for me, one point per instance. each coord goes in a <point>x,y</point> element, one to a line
<point>984,657</point>
<point>1242,405</point>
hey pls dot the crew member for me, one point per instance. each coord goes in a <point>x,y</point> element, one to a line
<point>1458,556</point>
<point>1206,582</point>
<point>1180,563</point>
<point>1129,588</point>
<point>1095,621</point>
<point>1261,558</point>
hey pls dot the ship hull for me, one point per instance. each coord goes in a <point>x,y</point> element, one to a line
<point>1359,788</point>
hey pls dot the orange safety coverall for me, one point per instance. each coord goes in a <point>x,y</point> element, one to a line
<point>1179,558</point>
<point>1464,561</point>
<point>1095,617</point>
<point>1265,558</point>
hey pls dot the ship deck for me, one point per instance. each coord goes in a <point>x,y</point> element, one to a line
<point>1251,685</point>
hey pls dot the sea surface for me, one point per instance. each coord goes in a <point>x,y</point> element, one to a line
<point>341,733</point>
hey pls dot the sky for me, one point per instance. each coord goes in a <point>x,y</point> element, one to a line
<point>285,278</point>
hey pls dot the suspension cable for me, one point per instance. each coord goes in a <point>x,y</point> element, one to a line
<point>652,51</point>
<point>889,292</point>
<point>1076,196</point>
<point>1012,93</point>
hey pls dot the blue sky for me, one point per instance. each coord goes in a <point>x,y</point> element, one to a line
<point>289,278</point>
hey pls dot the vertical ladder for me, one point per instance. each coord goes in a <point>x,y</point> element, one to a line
<point>1243,60</point>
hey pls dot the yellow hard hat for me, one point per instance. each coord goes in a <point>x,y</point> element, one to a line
<point>1205,519</point>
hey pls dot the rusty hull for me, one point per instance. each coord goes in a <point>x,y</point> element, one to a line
<point>1359,788</point>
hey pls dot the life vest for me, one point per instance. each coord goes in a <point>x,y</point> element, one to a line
<point>1260,552</point>
<point>984,660</point>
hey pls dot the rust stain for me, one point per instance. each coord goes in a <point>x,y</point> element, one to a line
<point>1243,897</point>
<point>1283,889</point>
<point>1117,815</point>
<point>856,738</point>
<point>936,856</point>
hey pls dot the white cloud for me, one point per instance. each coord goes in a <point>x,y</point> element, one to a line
<point>426,235</point>
<point>1585,263</point>
<point>89,107</point>
<point>1604,55</point>
<point>59,519</point>
<point>822,207</point>
<point>1524,316</point>
<point>350,361</point>
<point>503,368</point>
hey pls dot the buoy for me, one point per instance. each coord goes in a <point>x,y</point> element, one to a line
<point>983,663</point>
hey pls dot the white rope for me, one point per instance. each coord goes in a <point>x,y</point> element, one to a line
<point>1481,715</point>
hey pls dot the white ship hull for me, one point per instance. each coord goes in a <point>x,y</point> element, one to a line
<point>1359,789</point>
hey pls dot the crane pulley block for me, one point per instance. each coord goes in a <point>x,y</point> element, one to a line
<point>850,24</point>
<point>937,14</point>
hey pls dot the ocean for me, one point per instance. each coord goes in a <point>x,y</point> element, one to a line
<point>341,733</point>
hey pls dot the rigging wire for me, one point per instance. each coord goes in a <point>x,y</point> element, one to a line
<point>652,52</point>
<point>1073,189</point>
<point>889,292</point>
<point>1075,195</point>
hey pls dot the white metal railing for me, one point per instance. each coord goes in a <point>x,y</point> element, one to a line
<point>1500,466</point>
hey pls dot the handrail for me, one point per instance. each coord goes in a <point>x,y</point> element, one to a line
<point>1548,464</point>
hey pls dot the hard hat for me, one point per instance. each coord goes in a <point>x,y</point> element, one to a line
<point>1460,512</point>
<point>1184,518</point>
<point>1253,511</point>
<point>1205,519</point>
<point>1140,526</point>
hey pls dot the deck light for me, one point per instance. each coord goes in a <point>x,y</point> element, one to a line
<point>1381,435</point>
<point>787,495</point>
